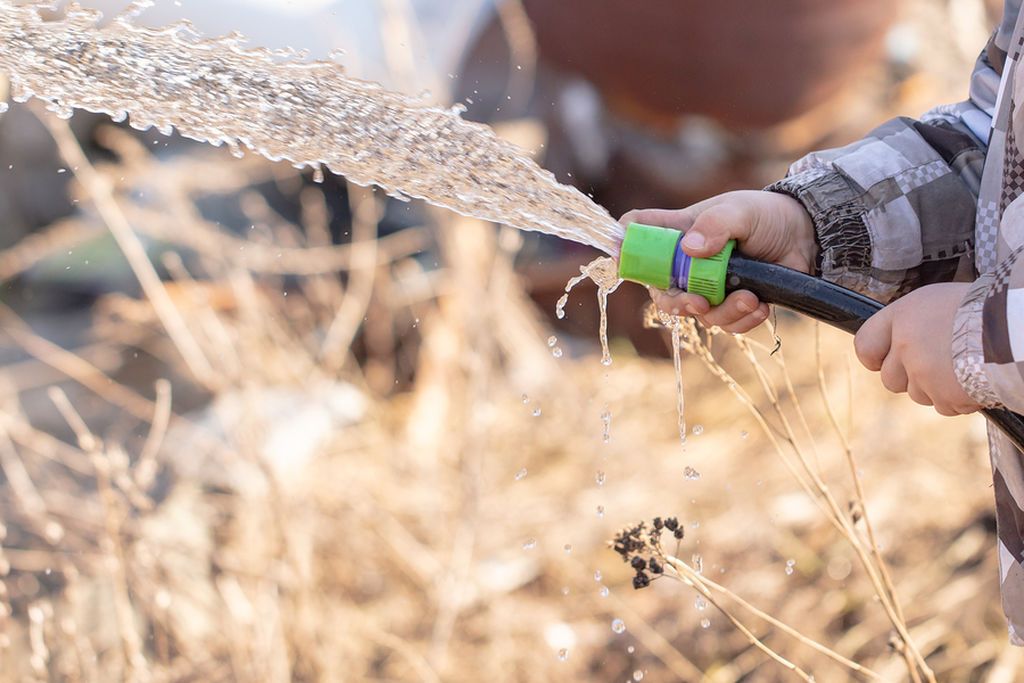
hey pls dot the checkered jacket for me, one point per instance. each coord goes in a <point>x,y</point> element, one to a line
<point>917,202</point>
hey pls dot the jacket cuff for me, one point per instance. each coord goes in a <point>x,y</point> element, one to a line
<point>837,211</point>
<point>968,343</point>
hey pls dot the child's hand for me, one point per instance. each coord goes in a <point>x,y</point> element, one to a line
<point>910,342</point>
<point>768,226</point>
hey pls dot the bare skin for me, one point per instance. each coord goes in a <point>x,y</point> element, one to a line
<point>909,341</point>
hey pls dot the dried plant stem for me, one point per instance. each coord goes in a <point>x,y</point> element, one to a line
<point>810,480</point>
<point>97,381</point>
<point>843,521</point>
<point>682,567</point>
<point>145,467</point>
<point>35,247</point>
<point>365,215</point>
<point>18,478</point>
<point>103,199</point>
<point>690,577</point>
<point>858,487</point>
<point>134,659</point>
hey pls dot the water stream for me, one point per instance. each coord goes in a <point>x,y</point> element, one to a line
<point>308,113</point>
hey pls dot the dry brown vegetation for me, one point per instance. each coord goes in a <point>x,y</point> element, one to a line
<point>293,515</point>
<point>260,471</point>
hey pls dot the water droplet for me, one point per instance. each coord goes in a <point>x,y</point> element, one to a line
<point>318,175</point>
<point>599,478</point>
<point>597,575</point>
<point>698,563</point>
<point>4,107</point>
<point>789,567</point>
<point>606,361</point>
<point>536,412</point>
<point>600,510</point>
<point>565,590</point>
<point>567,548</point>
<point>526,399</point>
<point>691,474</point>
<point>630,649</point>
<point>521,474</point>
<point>618,625</point>
<point>698,430</point>
<point>700,603</point>
<point>603,592</point>
<point>560,306</point>
<point>530,544</point>
<point>744,434</point>
<point>705,622</point>
<point>552,340</point>
<point>563,654</point>
<point>556,352</point>
<point>638,675</point>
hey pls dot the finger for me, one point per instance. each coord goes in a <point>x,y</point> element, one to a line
<point>715,226</point>
<point>918,395</point>
<point>749,321</point>
<point>947,411</point>
<point>680,219</point>
<point>894,375</point>
<point>736,306</point>
<point>681,303</point>
<point>873,340</point>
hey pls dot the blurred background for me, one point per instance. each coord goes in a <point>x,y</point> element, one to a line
<point>403,466</point>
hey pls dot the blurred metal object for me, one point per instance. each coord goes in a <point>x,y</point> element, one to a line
<point>745,63</point>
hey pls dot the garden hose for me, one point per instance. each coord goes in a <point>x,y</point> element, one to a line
<point>654,256</point>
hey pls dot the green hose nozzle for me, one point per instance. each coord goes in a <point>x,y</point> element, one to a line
<point>654,256</point>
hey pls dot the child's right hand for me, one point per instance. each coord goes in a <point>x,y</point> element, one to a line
<point>767,226</point>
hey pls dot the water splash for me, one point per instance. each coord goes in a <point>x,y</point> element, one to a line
<point>606,425</point>
<point>604,272</point>
<point>677,364</point>
<point>308,113</point>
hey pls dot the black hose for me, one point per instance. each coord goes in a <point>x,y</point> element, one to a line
<point>832,304</point>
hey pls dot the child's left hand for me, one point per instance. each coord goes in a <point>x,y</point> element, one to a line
<point>910,342</point>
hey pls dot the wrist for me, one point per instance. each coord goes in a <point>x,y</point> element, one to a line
<point>799,227</point>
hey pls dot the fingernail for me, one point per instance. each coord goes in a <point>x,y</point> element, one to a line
<point>694,240</point>
<point>691,310</point>
<point>743,306</point>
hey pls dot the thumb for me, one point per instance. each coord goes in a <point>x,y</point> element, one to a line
<point>874,340</point>
<point>714,227</point>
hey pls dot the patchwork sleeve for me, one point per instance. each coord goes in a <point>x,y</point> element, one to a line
<point>988,336</point>
<point>895,210</point>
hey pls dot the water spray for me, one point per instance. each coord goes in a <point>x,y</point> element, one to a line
<point>654,256</point>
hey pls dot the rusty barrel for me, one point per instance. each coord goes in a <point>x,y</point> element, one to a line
<point>747,63</point>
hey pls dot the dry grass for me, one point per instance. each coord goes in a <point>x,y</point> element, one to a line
<point>265,472</point>
<point>295,517</point>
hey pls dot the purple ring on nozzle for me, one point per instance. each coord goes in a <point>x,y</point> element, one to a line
<point>680,267</point>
